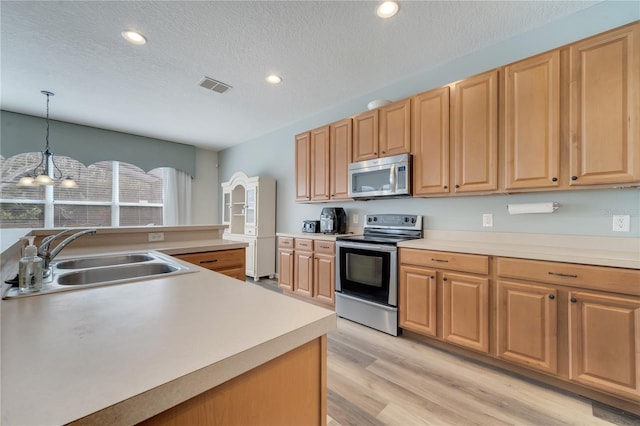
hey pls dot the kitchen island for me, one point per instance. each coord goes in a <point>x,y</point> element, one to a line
<point>121,354</point>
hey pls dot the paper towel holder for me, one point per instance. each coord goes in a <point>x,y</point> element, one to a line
<point>545,207</point>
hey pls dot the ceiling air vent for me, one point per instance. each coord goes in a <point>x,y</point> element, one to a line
<point>215,85</point>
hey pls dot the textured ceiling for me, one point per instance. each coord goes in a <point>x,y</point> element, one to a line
<point>326,51</point>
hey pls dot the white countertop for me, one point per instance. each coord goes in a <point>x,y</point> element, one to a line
<point>123,353</point>
<point>602,251</point>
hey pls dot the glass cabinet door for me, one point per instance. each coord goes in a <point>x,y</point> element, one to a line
<point>226,208</point>
<point>250,207</point>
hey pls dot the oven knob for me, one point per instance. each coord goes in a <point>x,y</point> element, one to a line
<point>413,220</point>
<point>369,219</point>
<point>406,219</point>
<point>375,219</point>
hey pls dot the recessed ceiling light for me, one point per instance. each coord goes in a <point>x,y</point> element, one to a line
<point>134,37</point>
<point>274,79</point>
<point>387,9</point>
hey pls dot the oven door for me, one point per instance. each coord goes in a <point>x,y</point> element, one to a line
<point>367,271</point>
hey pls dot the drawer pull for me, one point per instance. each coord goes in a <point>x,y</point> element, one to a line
<point>325,247</point>
<point>202,262</point>
<point>439,260</point>
<point>558,274</point>
<point>573,300</point>
<point>551,297</point>
<point>432,277</point>
<point>444,279</point>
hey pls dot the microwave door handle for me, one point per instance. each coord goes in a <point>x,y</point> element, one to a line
<point>392,177</point>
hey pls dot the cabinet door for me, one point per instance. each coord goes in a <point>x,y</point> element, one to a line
<point>303,283</point>
<point>324,276</point>
<point>365,136</point>
<point>476,133</point>
<point>395,128</point>
<point>320,164</point>
<point>226,207</point>
<point>431,142</point>
<point>250,256</point>
<point>532,122</point>
<point>527,325</point>
<point>286,265</point>
<point>466,311</point>
<point>604,342</point>
<point>303,167</point>
<point>604,105</point>
<point>417,307</point>
<point>340,156</point>
<point>250,218</point>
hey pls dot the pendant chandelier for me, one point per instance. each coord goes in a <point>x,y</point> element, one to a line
<point>41,175</point>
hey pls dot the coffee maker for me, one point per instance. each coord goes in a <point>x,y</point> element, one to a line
<point>333,220</point>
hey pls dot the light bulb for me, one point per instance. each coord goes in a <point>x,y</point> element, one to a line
<point>68,183</point>
<point>387,9</point>
<point>26,181</point>
<point>274,79</point>
<point>134,37</point>
<point>43,180</point>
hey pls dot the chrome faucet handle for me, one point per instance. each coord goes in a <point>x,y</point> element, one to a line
<point>43,248</point>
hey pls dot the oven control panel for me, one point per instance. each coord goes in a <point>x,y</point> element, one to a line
<point>395,221</point>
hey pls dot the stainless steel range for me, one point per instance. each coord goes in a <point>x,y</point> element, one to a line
<point>367,270</point>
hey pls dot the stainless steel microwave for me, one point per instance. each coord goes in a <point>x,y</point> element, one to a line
<point>381,177</point>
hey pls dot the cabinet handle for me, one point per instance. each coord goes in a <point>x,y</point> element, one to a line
<point>384,152</point>
<point>574,177</point>
<point>202,262</point>
<point>444,278</point>
<point>375,153</point>
<point>432,277</point>
<point>445,187</point>
<point>558,274</point>
<point>439,260</point>
<point>551,296</point>
<point>555,179</point>
<point>573,300</point>
<point>457,186</point>
<point>324,247</point>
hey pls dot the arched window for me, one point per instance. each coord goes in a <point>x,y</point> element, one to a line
<point>109,193</point>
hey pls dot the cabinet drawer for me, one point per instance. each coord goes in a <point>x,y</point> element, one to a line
<point>327,247</point>
<point>237,273</point>
<point>285,242</point>
<point>215,260</point>
<point>304,244</point>
<point>476,264</point>
<point>250,231</point>
<point>604,278</point>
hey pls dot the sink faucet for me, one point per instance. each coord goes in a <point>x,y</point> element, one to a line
<point>48,255</point>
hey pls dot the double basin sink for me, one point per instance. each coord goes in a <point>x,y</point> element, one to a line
<point>93,271</point>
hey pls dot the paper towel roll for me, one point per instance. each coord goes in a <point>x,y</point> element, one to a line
<point>548,207</point>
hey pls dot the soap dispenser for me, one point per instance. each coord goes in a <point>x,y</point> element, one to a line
<point>30,270</point>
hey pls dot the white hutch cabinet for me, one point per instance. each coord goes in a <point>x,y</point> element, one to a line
<point>249,208</point>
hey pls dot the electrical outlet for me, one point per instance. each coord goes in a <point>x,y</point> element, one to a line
<point>354,219</point>
<point>621,223</point>
<point>156,236</point>
<point>487,220</point>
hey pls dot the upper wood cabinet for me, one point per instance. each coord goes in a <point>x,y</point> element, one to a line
<point>382,132</point>
<point>320,164</point>
<point>605,108</point>
<point>395,128</point>
<point>365,136</point>
<point>532,122</point>
<point>430,142</point>
<point>475,133</point>
<point>340,144</point>
<point>303,166</point>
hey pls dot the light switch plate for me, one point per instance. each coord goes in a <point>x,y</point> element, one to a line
<point>354,219</point>
<point>621,223</point>
<point>487,220</point>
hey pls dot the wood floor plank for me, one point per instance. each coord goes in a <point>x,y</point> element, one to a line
<point>418,384</point>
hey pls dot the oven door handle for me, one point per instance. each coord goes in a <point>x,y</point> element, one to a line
<point>365,246</point>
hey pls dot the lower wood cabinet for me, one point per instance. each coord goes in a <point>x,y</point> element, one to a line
<point>227,262</point>
<point>604,342</point>
<point>575,326</point>
<point>439,298</point>
<point>527,324</point>
<point>307,268</point>
<point>465,310</point>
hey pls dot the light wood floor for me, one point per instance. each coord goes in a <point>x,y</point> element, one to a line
<point>377,379</point>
